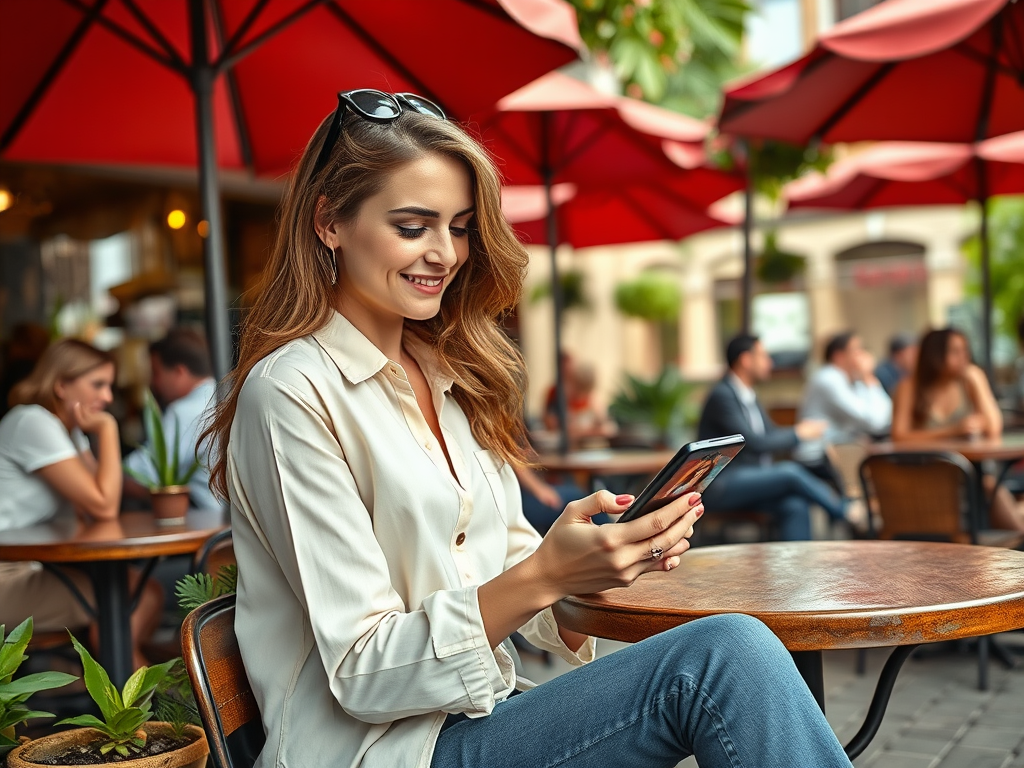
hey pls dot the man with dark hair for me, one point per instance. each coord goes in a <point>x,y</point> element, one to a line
<point>845,394</point>
<point>754,479</point>
<point>900,362</point>
<point>182,382</point>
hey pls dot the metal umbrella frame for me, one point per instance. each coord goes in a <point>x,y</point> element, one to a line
<point>206,42</point>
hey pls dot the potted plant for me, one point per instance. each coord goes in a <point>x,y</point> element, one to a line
<point>15,693</point>
<point>169,492</point>
<point>124,734</point>
<point>658,407</point>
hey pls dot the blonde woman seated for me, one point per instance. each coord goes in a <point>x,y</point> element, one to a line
<point>949,397</point>
<point>47,468</point>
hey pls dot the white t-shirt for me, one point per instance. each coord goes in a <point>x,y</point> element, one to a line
<point>32,438</point>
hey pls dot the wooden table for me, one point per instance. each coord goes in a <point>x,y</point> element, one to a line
<point>585,466</point>
<point>823,595</point>
<point>104,549</point>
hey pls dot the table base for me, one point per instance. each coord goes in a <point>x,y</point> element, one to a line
<point>809,665</point>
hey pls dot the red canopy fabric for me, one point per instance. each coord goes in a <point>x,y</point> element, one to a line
<point>583,136</point>
<point>628,213</point>
<point>905,69</point>
<point>93,81</point>
<point>915,173</point>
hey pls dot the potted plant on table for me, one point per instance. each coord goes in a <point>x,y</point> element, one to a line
<point>15,693</point>
<point>169,491</point>
<point>124,734</point>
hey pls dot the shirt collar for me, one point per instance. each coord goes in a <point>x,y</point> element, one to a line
<point>359,359</point>
<point>745,393</point>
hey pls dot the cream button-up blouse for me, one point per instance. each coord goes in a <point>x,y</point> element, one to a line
<point>360,554</point>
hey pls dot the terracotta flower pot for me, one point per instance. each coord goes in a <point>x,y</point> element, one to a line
<point>193,755</point>
<point>170,504</point>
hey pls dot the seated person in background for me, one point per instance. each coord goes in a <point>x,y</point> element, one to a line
<point>47,467</point>
<point>949,397</point>
<point>587,422</point>
<point>899,364</point>
<point>754,480</point>
<point>845,394</point>
<point>182,382</point>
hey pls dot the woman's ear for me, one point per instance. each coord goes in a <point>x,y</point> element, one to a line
<point>59,389</point>
<point>326,229</point>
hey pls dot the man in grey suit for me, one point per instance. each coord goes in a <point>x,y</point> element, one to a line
<point>754,479</point>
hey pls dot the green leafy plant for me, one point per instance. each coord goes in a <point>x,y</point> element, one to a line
<point>679,51</point>
<point>123,711</point>
<point>163,455</point>
<point>775,265</point>
<point>661,402</point>
<point>652,295</point>
<point>15,693</point>
<point>195,589</point>
<point>173,702</point>
<point>574,290</point>
<point>1006,258</point>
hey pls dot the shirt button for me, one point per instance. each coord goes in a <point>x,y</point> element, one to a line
<point>428,444</point>
<point>460,539</point>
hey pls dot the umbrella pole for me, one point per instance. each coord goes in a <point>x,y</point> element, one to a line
<point>746,290</point>
<point>986,289</point>
<point>217,331</point>
<point>558,300</point>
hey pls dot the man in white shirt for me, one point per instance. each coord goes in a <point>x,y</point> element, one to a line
<point>182,382</point>
<point>847,395</point>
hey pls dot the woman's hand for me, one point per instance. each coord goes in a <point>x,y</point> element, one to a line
<point>92,421</point>
<point>578,557</point>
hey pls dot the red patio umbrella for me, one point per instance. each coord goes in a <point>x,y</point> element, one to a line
<point>559,129</point>
<point>627,213</point>
<point>915,70</point>
<point>243,83</point>
<point>915,173</point>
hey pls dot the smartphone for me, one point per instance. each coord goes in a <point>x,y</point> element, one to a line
<point>692,469</point>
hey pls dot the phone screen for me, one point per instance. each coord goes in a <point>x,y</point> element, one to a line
<point>691,470</point>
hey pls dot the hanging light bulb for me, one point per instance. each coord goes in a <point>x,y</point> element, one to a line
<point>6,198</point>
<point>176,219</point>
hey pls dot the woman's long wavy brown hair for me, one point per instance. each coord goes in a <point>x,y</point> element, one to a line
<point>296,297</point>
<point>930,370</point>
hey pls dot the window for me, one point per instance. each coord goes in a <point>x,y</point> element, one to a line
<point>847,8</point>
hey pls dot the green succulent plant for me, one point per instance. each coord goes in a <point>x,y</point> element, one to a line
<point>124,711</point>
<point>163,455</point>
<point>15,693</point>
<point>661,402</point>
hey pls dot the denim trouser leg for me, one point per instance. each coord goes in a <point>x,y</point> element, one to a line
<point>785,488</point>
<point>721,688</point>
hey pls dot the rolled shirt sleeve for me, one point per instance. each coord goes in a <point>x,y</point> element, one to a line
<point>384,660</point>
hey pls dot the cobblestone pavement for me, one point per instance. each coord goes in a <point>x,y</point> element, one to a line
<point>937,718</point>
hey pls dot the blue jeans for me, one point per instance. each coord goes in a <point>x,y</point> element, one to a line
<point>785,490</point>
<point>722,688</point>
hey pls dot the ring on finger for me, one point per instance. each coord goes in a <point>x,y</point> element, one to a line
<point>657,552</point>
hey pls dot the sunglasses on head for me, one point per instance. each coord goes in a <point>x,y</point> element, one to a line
<point>375,106</point>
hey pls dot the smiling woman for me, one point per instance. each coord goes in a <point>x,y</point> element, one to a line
<point>367,447</point>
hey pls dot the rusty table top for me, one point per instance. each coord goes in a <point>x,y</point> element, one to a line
<point>818,595</point>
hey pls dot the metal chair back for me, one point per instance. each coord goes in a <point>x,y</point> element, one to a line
<point>226,703</point>
<point>922,495</point>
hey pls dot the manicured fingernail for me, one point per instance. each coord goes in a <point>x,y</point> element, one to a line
<point>694,500</point>
<point>700,512</point>
<point>623,499</point>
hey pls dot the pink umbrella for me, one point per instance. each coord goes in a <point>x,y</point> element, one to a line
<point>558,129</point>
<point>915,70</point>
<point>916,173</point>
<point>626,213</point>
